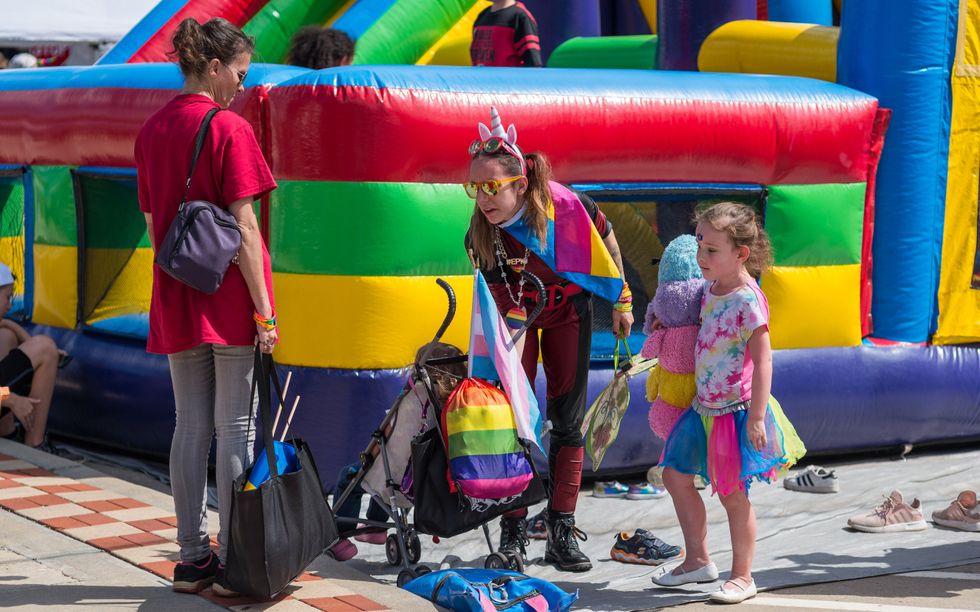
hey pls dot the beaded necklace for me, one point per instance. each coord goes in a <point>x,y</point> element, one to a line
<point>516,317</point>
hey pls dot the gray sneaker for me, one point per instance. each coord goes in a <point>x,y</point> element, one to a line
<point>814,479</point>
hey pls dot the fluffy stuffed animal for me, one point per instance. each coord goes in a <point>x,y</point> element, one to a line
<point>677,305</point>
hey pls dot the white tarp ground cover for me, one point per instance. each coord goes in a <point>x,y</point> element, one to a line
<point>802,537</point>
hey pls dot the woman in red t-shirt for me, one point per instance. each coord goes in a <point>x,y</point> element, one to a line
<point>208,339</point>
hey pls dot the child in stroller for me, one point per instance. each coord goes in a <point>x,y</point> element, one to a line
<point>409,409</point>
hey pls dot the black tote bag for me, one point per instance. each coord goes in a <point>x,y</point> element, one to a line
<point>439,511</point>
<point>280,527</point>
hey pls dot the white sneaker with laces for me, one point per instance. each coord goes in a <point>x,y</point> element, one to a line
<point>814,479</point>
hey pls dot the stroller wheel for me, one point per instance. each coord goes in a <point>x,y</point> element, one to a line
<point>414,546</point>
<point>496,560</point>
<point>422,569</point>
<point>392,552</point>
<point>515,562</point>
<point>405,576</point>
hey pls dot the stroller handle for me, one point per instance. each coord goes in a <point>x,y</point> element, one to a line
<point>450,313</point>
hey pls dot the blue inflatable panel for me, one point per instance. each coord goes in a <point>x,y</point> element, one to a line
<point>149,25</point>
<point>129,76</point>
<point>682,25</point>
<point>361,16</point>
<point>560,21</point>
<point>693,87</point>
<point>840,399</point>
<point>911,76</point>
<point>820,12</point>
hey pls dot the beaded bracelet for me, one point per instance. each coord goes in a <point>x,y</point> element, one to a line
<point>267,324</point>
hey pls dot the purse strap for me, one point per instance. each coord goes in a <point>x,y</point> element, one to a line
<point>202,133</point>
<point>263,372</point>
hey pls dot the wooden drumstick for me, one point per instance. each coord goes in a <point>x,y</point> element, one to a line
<point>289,419</point>
<point>285,390</point>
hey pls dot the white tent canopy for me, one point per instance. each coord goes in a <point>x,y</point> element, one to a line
<point>24,23</point>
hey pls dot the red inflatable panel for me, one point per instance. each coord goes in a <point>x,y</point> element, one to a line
<point>88,126</point>
<point>364,133</point>
<point>236,11</point>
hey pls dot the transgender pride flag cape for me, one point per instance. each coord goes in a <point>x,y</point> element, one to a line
<point>494,357</point>
<point>574,249</point>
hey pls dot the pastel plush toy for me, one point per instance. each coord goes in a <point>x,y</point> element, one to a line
<point>677,305</point>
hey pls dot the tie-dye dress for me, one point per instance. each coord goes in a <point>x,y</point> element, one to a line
<point>710,438</point>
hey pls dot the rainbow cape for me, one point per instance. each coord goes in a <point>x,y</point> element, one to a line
<point>574,249</point>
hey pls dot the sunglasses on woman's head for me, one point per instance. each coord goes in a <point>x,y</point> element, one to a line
<point>490,187</point>
<point>490,146</point>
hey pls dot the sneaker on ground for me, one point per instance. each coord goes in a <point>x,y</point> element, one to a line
<point>962,514</point>
<point>814,479</point>
<point>537,528</point>
<point>643,548</point>
<point>609,489</point>
<point>343,550</point>
<point>195,576</point>
<point>374,536</point>
<point>221,587</point>
<point>645,490</point>
<point>891,515</point>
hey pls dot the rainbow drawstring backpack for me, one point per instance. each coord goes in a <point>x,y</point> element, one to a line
<point>486,458</point>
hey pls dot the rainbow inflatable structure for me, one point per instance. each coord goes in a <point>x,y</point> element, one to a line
<point>865,175</point>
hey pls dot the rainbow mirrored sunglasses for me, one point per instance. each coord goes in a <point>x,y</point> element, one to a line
<point>490,187</point>
<point>489,146</point>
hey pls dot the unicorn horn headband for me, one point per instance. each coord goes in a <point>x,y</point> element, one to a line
<point>494,138</point>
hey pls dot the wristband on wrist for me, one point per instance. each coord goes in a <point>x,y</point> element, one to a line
<point>267,324</point>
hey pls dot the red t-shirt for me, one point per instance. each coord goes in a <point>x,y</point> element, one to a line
<point>231,167</point>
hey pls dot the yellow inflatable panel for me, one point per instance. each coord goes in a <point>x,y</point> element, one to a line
<point>770,47</point>
<point>649,8</point>
<point>56,295</point>
<point>129,292</point>
<point>959,304</point>
<point>365,322</point>
<point>453,49</point>
<point>814,306</point>
<point>12,254</point>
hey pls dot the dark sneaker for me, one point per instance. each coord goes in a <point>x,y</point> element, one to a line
<point>195,576</point>
<point>562,548</point>
<point>643,548</point>
<point>220,586</point>
<point>537,529</point>
<point>513,536</point>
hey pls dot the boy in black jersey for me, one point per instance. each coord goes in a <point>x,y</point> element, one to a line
<point>505,34</point>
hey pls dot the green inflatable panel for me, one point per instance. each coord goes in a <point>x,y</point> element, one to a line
<point>407,30</point>
<point>113,219</point>
<point>273,26</point>
<point>369,229</point>
<point>11,206</point>
<point>637,52</point>
<point>816,225</point>
<point>54,206</point>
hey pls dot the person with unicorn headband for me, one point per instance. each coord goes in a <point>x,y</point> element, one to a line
<point>524,220</point>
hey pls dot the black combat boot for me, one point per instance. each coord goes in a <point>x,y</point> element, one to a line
<point>513,536</point>
<point>562,548</point>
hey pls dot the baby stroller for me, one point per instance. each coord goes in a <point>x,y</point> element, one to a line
<point>404,467</point>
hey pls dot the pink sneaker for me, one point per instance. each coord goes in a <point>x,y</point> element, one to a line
<point>371,537</point>
<point>962,514</point>
<point>891,515</point>
<point>343,550</point>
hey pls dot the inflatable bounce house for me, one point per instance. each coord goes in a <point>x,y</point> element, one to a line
<point>855,141</point>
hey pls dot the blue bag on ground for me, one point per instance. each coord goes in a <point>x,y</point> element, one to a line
<point>485,590</point>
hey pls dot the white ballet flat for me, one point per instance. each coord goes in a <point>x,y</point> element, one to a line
<point>705,573</point>
<point>734,595</point>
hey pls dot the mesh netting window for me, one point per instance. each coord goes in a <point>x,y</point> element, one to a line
<point>645,219</point>
<point>114,254</point>
<point>12,250</point>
